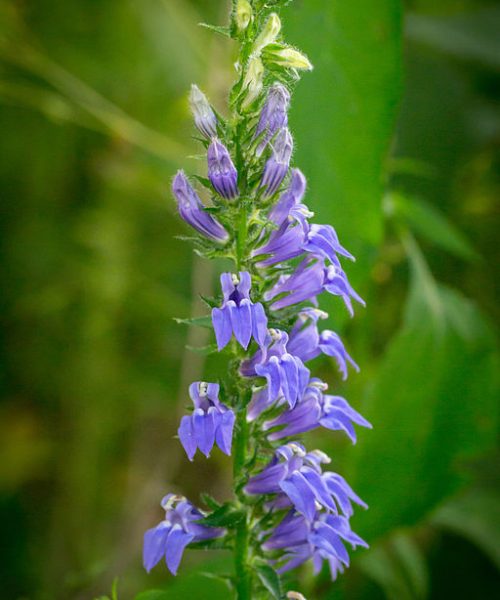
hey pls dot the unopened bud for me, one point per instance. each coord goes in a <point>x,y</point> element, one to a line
<point>295,596</point>
<point>204,117</point>
<point>269,34</point>
<point>252,84</point>
<point>288,57</point>
<point>243,14</point>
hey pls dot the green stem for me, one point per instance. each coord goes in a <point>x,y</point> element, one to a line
<point>241,542</point>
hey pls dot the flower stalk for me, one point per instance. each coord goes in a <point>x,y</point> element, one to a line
<point>286,509</point>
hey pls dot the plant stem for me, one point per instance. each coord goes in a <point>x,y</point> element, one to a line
<point>241,542</point>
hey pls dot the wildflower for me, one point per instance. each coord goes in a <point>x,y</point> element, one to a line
<point>204,116</point>
<point>320,539</point>
<point>192,211</point>
<point>297,475</point>
<point>291,197</point>
<point>307,342</point>
<point>276,167</point>
<point>308,281</point>
<point>286,374</point>
<point>170,537</point>
<point>322,240</point>
<point>273,116</point>
<point>221,170</point>
<point>211,422</point>
<point>238,314</point>
<point>316,409</point>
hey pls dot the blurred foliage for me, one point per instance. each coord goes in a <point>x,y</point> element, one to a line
<point>94,368</point>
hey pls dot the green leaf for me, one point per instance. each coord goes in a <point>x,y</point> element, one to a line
<point>475,515</point>
<point>427,221</point>
<point>355,87</point>
<point>398,567</point>
<point>270,580</point>
<point>210,501</point>
<point>225,516</point>
<point>426,416</point>
<point>203,350</point>
<point>471,36</point>
<point>225,31</point>
<point>205,321</point>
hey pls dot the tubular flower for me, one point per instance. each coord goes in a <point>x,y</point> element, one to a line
<point>192,211</point>
<point>286,374</point>
<point>221,170</point>
<point>316,409</point>
<point>296,478</point>
<point>273,116</point>
<point>211,422</point>
<point>269,396</point>
<point>277,166</point>
<point>204,116</point>
<point>307,342</point>
<point>238,314</point>
<point>320,539</point>
<point>311,278</point>
<point>170,537</point>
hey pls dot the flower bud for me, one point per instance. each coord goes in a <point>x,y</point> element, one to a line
<point>192,210</point>
<point>252,83</point>
<point>204,117</point>
<point>269,34</point>
<point>221,170</point>
<point>277,166</point>
<point>288,57</point>
<point>243,14</point>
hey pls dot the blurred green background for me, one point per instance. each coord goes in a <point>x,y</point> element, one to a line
<point>398,131</point>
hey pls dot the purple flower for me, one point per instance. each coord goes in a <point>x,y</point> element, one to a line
<point>238,314</point>
<point>170,537</point>
<point>221,170</point>
<point>308,281</point>
<point>321,539</point>
<point>276,167</point>
<point>286,374</point>
<point>297,475</point>
<point>192,211</point>
<point>274,114</point>
<point>211,421</point>
<point>306,342</point>
<point>287,242</point>
<point>204,117</point>
<point>316,409</point>
<point>322,240</point>
<point>291,196</point>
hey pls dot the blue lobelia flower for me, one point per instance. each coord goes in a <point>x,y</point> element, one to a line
<point>320,539</point>
<point>204,116</point>
<point>322,240</point>
<point>286,375</point>
<point>170,537</point>
<point>297,475</point>
<point>238,314</point>
<point>277,165</point>
<point>310,279</point>
<point>273,116</point>
<point>192,211</point>
<point>221,170</point>
<point>211,421</point>
<point>316,409</point>
<point>289,198</point>
<point>307,342</point>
